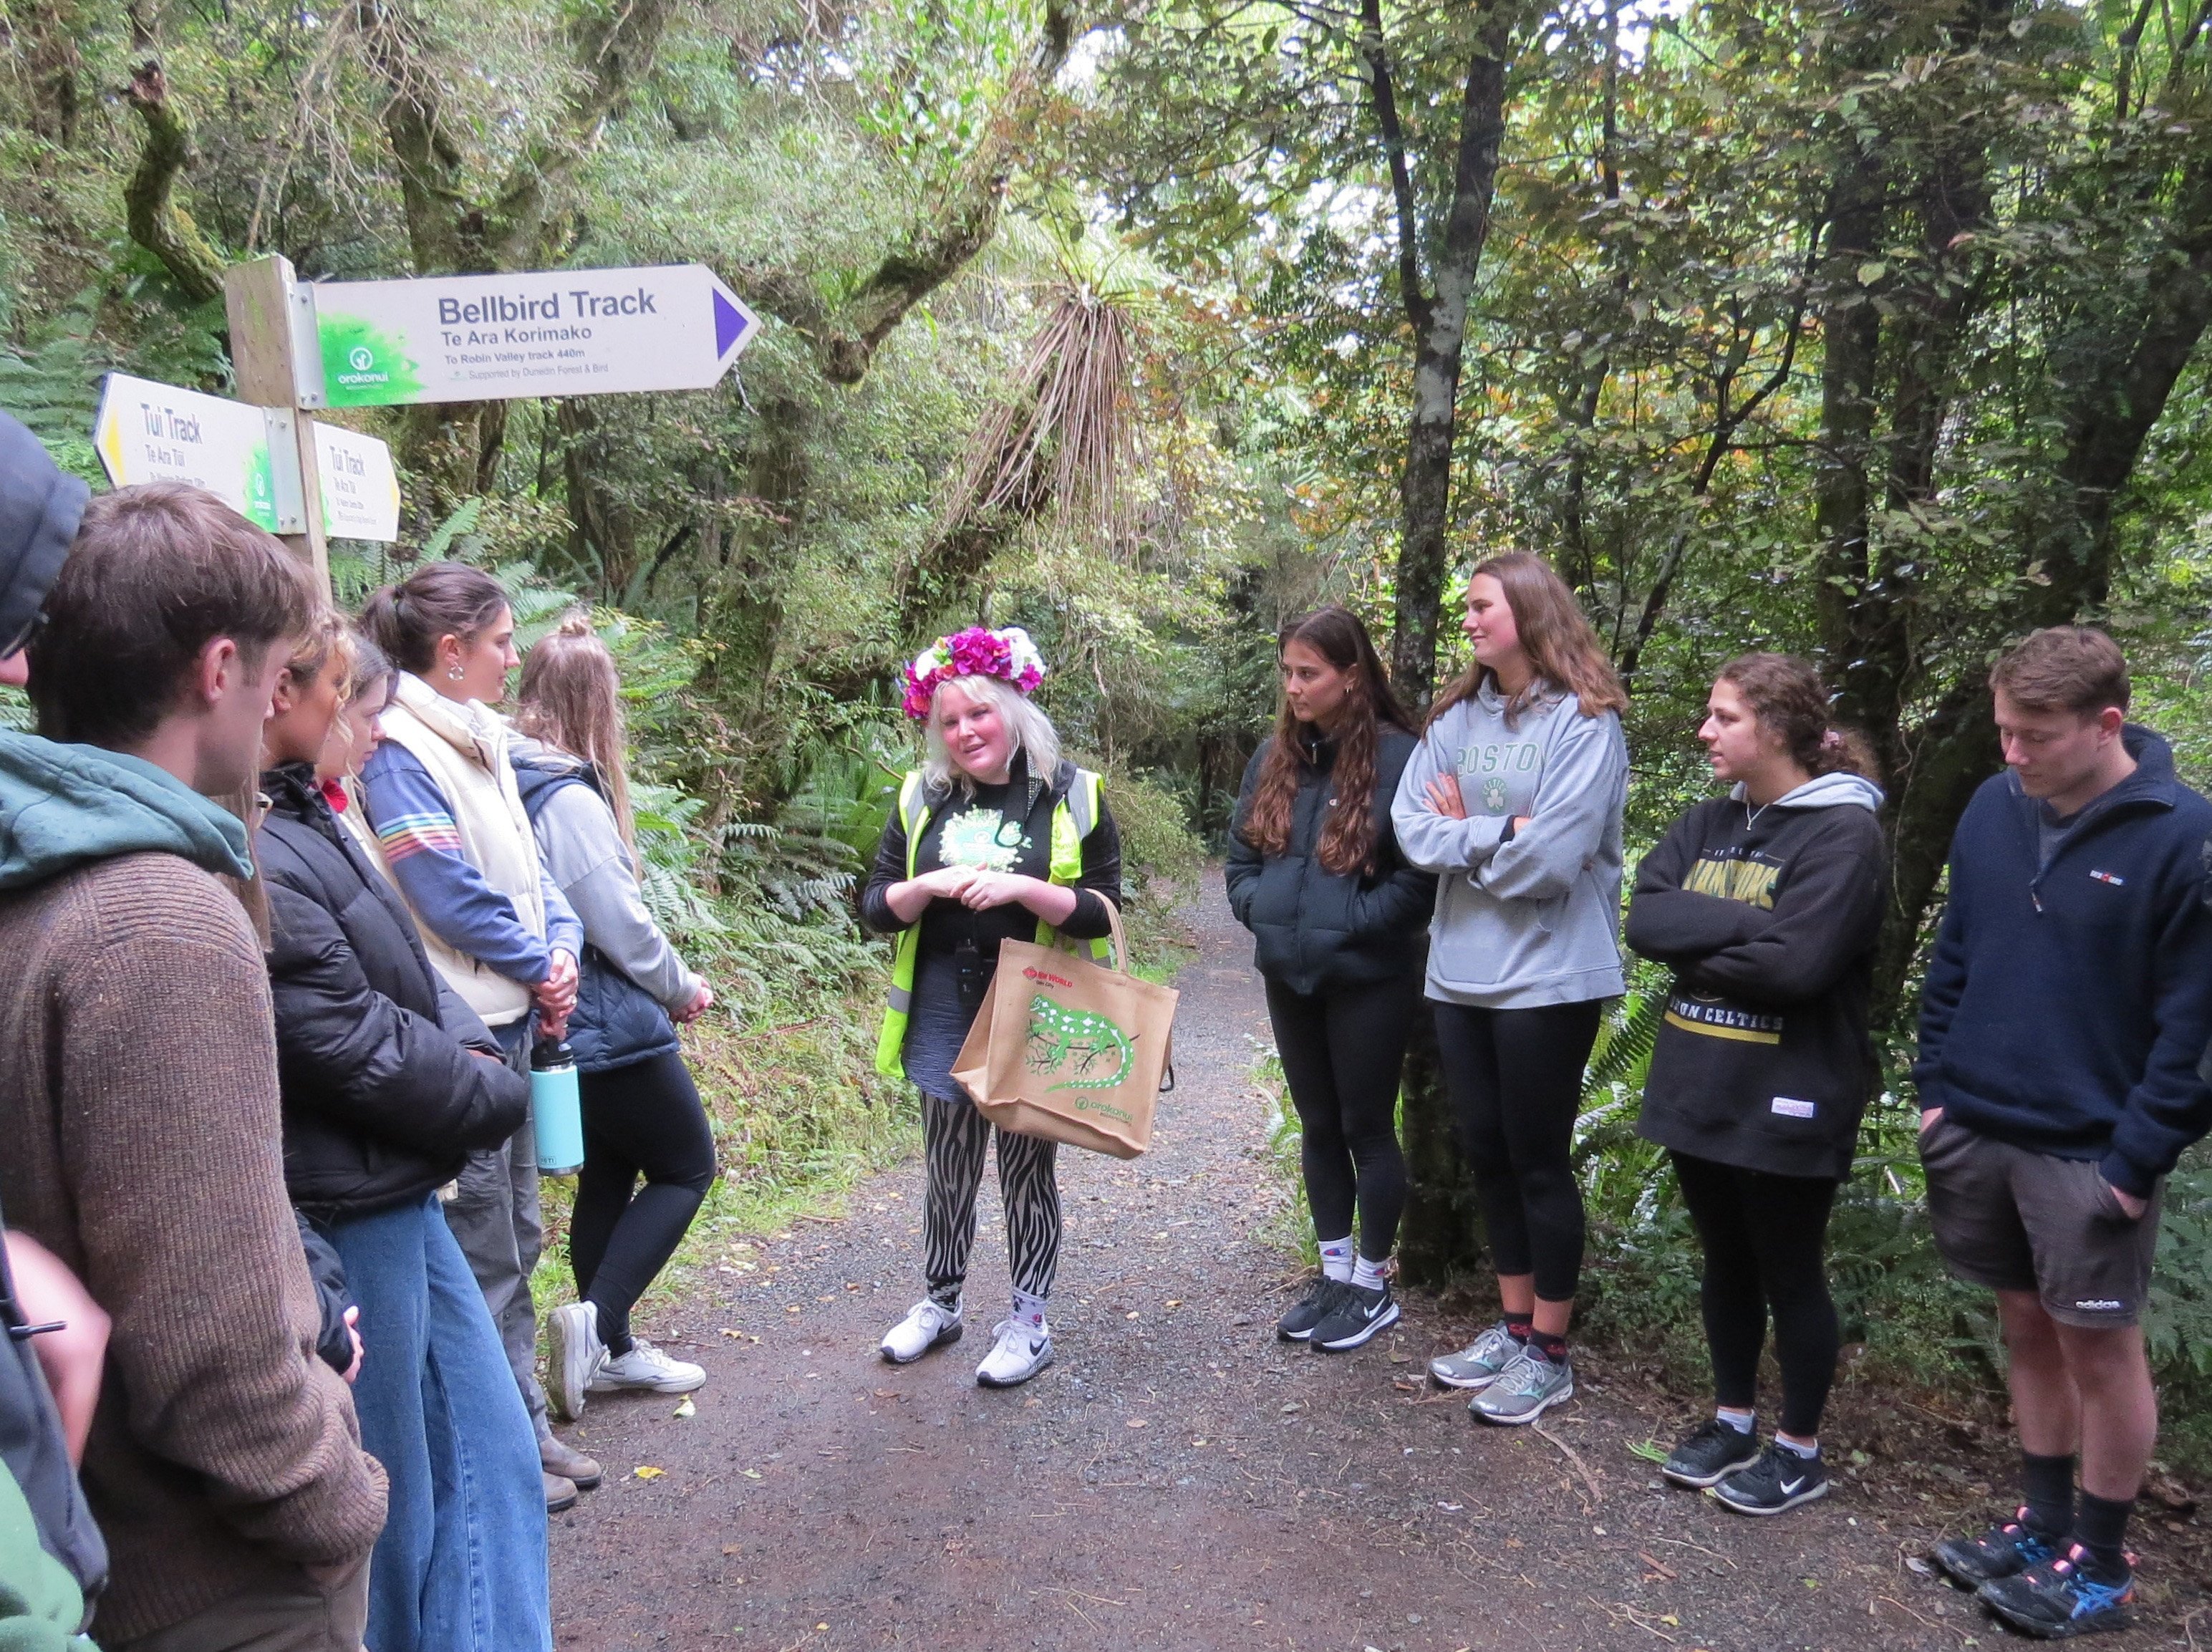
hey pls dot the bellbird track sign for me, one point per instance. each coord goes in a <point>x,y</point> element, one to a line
<point>560,332</point>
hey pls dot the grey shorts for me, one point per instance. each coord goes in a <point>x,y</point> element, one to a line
<point>2013,1219</point>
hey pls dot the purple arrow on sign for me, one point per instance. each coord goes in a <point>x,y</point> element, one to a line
<point>729,325</point>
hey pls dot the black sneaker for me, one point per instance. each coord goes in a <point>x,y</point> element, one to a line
<point>2055,1599</point>
<point>2002,1551</point>
<point>1357,1315</point>
<point>1320,1302</point>
<point>1711,1455</point>
<point>1777,1482</point>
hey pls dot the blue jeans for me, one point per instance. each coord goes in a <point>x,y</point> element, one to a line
<point>461,1566</point>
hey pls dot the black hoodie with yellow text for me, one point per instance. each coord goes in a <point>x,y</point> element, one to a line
<point>1768,917</point>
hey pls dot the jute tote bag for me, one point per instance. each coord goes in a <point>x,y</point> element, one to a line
<point>1066,1049</point>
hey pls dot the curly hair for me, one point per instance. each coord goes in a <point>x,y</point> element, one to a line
<point>1791,702</point>
<point>1347,840</point>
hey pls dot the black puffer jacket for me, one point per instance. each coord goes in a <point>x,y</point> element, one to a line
<point>382,1097</point>
<point>1317,928</point>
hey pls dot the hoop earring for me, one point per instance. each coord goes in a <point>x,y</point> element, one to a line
<point>456,673</point>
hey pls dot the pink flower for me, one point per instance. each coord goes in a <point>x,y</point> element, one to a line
<point>975,652</point>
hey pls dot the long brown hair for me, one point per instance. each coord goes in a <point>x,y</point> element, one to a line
<point>1347,840</point>
<point>571,696</point>
<point>1564,653</point>
<point>1791,702</point>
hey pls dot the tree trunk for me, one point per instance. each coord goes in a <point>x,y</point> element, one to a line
<point>1439,1233</point>
<point>1438,319</point>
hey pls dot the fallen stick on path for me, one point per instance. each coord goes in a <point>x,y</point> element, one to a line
<point>1574,1457</point>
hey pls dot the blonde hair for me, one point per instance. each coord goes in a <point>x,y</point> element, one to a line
<point>1033,734</point>
<point>571,696</point>
<point>329,644</point>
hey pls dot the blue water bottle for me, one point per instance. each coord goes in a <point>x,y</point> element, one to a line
<point>556,1109</point>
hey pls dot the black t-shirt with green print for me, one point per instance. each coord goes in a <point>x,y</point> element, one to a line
<point>999,829</point>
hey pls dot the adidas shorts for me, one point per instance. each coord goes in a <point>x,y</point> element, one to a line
<point>2013,1219</point>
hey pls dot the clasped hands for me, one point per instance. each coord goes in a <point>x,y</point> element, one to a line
<point>555,995</point>
<point>973,888</point>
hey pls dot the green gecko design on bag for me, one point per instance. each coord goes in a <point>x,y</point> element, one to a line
<point>1057,1033</point>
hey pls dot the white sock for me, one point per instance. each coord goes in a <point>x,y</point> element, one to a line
<point>1805,1451</point>
<point>1366,1275</point>
<point>1030,1310</point>
<point>1743,1422</point>
<point>1336,1259</point>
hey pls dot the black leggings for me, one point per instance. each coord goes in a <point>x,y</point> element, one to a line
<point>1763,1237</point>
<point>642,1120</point>
<point>1515,1081</point>
<point>1343,1049</point>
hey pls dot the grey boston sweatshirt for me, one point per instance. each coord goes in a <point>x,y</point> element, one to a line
<point>1532,920</point>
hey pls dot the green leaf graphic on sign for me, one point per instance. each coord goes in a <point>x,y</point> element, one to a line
<point>362,366</point>
<point>260,489</point>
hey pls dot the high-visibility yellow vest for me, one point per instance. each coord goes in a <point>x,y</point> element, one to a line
<point>1074,817</point>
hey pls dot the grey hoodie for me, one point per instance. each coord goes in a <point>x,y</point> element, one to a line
<point>1532,920</point>
<point>585,854</point>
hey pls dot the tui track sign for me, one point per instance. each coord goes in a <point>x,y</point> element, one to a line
<point>150,432</point>
<point>247,457</point>
<point>562,333</point>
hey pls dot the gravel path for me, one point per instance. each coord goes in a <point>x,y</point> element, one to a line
<point>1179,1479</point>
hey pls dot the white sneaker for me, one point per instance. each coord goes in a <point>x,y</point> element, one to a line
<point>575,1355</point>
<point>928,1324</point>
<point>1019,1354</point>
<point>646,1367</point>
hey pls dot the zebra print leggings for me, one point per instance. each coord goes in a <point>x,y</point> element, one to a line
<point>954,1137</point>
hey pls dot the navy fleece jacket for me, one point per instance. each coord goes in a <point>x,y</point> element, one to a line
<point>2068,1004</point>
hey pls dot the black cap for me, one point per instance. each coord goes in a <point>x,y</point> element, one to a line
<point>39,510</point>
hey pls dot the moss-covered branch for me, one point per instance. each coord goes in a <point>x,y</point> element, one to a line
<point>938,251</point>
<point>157,223</point>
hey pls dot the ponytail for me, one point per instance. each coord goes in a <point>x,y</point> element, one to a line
<point>439,600</point>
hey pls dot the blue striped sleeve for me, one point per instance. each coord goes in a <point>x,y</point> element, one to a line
<point>414,823</point>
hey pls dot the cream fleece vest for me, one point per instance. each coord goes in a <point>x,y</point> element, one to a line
<point>464,749</point>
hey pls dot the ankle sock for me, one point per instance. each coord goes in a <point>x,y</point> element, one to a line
<point>2099,1527</point>
<point>1552,1347</point>
<point>1030,1310</point>
<point>1520,1325</point>
<point>1336,1259</point>
<point>2048,1485</point>
<point>1366,1275</point>
<point>1745,1421</point>
<point>1808,1452</point>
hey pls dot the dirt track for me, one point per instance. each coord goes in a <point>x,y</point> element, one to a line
<point>1179,1479</point>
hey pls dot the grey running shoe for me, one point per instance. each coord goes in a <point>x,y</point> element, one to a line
<point>1526,1389</point>
<point>1477,1365</point>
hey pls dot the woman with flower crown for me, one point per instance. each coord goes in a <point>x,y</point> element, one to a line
<point>995,837</point>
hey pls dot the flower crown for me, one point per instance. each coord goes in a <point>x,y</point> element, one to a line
<point>975,652</point>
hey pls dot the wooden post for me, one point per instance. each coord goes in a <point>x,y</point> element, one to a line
<point>270,329</point>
